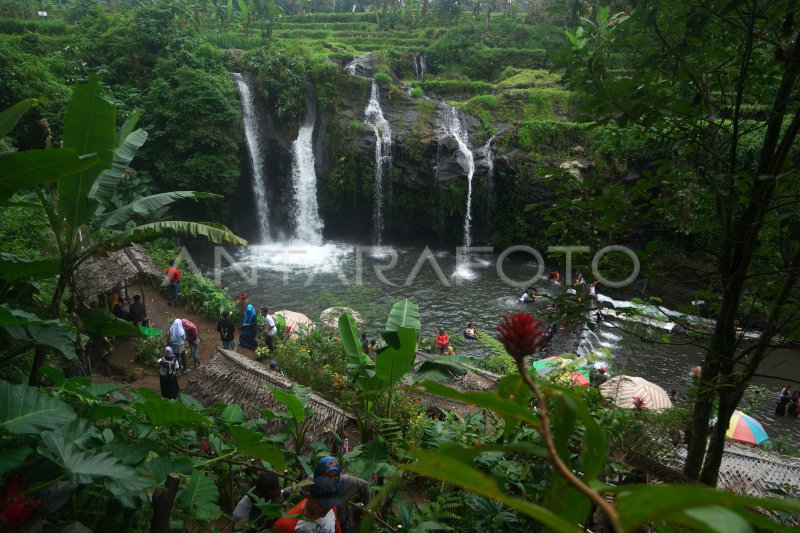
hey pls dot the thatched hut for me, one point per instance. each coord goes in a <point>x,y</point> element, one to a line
<point>100,275</point>
<point>232,378</point>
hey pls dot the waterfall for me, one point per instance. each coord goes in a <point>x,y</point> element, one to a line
<point>419,67</point>
<point>487,191</point>
<point>252,136</point>
<point>383,157</point>
<point>307,223</point>
<point>454,128</point>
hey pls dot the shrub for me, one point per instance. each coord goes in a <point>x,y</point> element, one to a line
<point>417,92</point>
<point>148,349</point>
<point>382,78</point>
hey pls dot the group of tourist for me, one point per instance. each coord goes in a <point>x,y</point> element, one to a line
<point>323,509</point>
<point>788,402</point>
<point>133,311</point>
<point>249,329</point>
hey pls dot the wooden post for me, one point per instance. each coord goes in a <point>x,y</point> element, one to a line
<point>163,498</point>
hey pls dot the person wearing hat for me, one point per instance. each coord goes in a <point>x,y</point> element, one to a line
<point>168,374</point>
<point>315,514</point>
<point>348,487</point>
<point>442,341</point>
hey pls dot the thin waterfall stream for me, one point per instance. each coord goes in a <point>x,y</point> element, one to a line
<point>252,127</point>
<point>383,157</point>
<point>453,126</point>
<point>307,222</point>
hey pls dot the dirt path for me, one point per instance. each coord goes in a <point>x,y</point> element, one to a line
<point>125,367</point>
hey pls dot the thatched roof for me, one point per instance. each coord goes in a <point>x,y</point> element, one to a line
<point>103,273</point>
<point>232,378</point>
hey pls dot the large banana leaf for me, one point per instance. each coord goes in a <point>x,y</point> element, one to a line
<point>441,369</point>
<point>13,268</point>
<point>293,405</point>
<point>22,170</point>
<point>10,116</point>
<point>393,362</point>
<point>148,205</point>
<point>153,230</point>
<point>348,333</point>
<point>106,184</point>
<point>404,314</point>
<point>89,127</point>
<point>25,410</point>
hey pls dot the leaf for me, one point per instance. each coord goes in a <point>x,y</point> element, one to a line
<point>162,412</point>
<point>52,335</point>
<point>393,362</point>
<point>404,314</point>
<point>10,316</point>
<point>375,455</point>
<point>348,333</point>
<point>253,444</point>
<point>439,370</point>
<point>148,205</point>
<point>443,468</point>
<point>13,268</point>
<point>129,454</point>
<point>99,321</point>
<point>201,490</point>
<point>106,184</point>
<point>24,170</point>
<point>10,459</point>
<point>292,403</point>
<point>153,230</point>
<point>89,127</point>
<point>82,466</point>
<point>11,115</point>
<point>232,414</point>
<point>25,410</point>
<point>79,432</point>
<point>715,518</point>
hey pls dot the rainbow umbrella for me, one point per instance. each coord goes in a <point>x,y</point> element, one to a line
<point>744,428</point>
<point>543,367</point>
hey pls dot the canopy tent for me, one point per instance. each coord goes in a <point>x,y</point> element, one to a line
<point>624,390</point>
<point>329,318</point>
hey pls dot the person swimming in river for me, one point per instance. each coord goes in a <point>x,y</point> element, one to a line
<point>530,295</point>
<point>470,333</point>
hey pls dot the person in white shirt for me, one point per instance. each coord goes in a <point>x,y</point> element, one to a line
<point>270,328</point>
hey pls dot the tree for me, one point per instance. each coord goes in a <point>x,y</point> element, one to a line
<point>718,82</point>
<point>79,208</point>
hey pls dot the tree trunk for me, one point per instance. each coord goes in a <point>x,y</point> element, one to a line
<point>53,312</point>
<point>377,14</point>
<point>716,448</point>
<point>163,499</point>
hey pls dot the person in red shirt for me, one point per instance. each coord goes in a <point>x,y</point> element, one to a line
<point>442,341</point>
<point>174,289</point>
<point>315,514</point>
<point>192,339</point>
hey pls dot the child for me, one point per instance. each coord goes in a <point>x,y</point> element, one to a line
<point>442,341</point>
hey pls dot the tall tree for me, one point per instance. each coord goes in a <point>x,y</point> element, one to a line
<point>718,81</point>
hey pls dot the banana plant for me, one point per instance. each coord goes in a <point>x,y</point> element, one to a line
<point>80,209</point>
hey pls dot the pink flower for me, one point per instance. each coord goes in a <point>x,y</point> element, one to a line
<point>521,334</point>
<point>639,402</point>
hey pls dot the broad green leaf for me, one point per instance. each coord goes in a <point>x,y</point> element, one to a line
<point>639,504</point>
<point>11,459</point>
<point>162,412</point>
<point>24,170</point>
<point>439,370</point>
<point>11,115</point>
<point>443,468</point>
<point>715,518</point>
<point>404,314</point>
<point>52,335</point>
<point>232,414</point>
<point>54,374</point>
<point>89,128</point>
<point>468,453</point>
<point>148,205</point>
<point>106,184</point>
<point>129,454</point>
<point>348,333</point>
<point>154,230</point>
<point>25,410</point>
<point>82,466</point>
<point>79,432</point>
<point>13,268</point>
<point>374,456</point>
<point>293,405</point>
<point>505,408</point>
<point>127,127</point>
<point>253,444</point>
<point>10,316</point>
<point>394,362</point>
<point>200,490</point>
<point>99,321</point>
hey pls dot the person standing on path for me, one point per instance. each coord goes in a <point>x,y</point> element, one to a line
<point>168,374</point>
<point>270,328</point>
<point>248,331</point>
<point>226,331</point>
<point>177,340</point>
<point>138,312</point>
<point>174,289</point>
<point>192,339</point>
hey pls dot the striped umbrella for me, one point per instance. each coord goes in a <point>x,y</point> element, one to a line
<point>543,367</point>
<point>744,428</point>
<point>626,391</point>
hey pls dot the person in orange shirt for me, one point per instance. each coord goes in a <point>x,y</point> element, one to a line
<point>442,341</point>
<point>174,289</point>
<point>315,514</point>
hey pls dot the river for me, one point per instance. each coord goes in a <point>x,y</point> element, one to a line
<point>451,294</point>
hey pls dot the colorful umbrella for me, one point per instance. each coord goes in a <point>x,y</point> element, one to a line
<point>579,375</point>
<point>744,428</point>
<point>627,391</point>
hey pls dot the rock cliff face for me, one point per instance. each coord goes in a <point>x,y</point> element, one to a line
<point>426,194</point>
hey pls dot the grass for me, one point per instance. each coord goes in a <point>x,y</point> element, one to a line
<point>526,78</point>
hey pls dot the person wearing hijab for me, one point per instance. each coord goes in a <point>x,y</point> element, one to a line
<point>347,487</point>
<point>177,340</point>
<point>168,374</point>
<point>249,328</point>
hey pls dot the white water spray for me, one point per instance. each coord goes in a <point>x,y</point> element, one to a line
<point>454,128</point>
<point>252,136</point>
<point>307,222</point>
<point>383,157</point>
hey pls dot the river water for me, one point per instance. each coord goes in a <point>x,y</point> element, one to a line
<point>451,294</point>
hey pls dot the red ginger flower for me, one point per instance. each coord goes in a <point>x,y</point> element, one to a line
<point>639,403</point>
<point>521,334</point>
<point>17,507</point>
